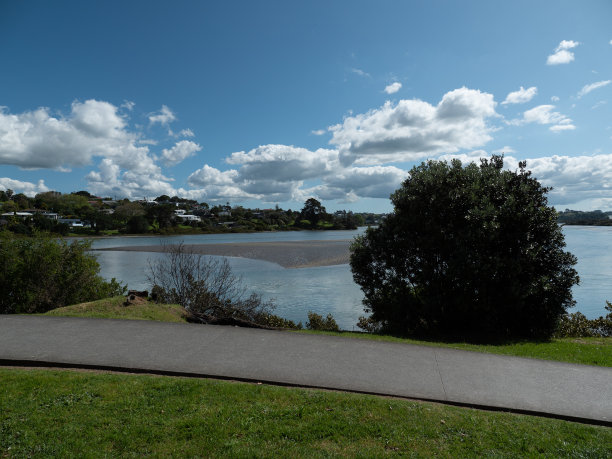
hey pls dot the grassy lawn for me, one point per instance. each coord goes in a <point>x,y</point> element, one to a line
<point>113,308</point>
<point>587,351</point>
<point>68,413</point>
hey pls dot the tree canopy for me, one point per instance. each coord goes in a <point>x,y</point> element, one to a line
<point>468,252</point>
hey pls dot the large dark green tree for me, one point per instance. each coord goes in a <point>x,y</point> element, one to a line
<point>469,252</point>
<point>313,211</point>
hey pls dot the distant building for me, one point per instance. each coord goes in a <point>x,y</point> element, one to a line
<point>18,214</point>
<point>74,222</point>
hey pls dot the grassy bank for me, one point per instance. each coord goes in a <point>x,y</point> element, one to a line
<point>114,308</point>
<point>67,413</point>
<point>586,351</point>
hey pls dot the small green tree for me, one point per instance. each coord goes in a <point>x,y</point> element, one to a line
<point>40,273</point>
<point>468,252</point>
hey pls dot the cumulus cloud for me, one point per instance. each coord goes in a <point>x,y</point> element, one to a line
<point>544,114</point>
<point>93,130</point>
<point>562,55</point>
<point>163,117</point>
<point>318,132</point>
<point>592,87</point>
<point>179,152</point>
<point>284,162</point>
<point>521,96</point>
<point>36,139</point>
<point>393,88</point>
<point>275,173</point>
<point>27,188</point>
<point>414,129</point>
<point>555,99</point>
<point>208,175</point>
<point>575,180</point>
<point>370,182</point>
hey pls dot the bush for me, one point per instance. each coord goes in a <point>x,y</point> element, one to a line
<point>316,322</point>
<point>204,286</point>
<point>470,252</point>
<point>42,273</point>
<point>576,325</point>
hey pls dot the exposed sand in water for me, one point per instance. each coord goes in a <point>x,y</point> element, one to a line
<point>289,254</point>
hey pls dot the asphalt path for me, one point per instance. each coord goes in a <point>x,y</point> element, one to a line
<point>575,392</point>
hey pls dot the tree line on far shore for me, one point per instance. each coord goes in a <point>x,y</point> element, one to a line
<point>56,213</point>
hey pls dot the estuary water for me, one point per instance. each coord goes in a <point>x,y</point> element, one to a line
<point>330,289</point>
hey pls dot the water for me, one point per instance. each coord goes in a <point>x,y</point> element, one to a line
<point>330,289</point>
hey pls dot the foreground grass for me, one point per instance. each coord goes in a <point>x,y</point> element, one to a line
<point>587,351</point>
<point>113,308</point>
<point>67,413</point>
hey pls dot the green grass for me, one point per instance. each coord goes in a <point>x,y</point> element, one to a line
<point>113,308</point>
<point>68,413</point>
<point>587,351</point>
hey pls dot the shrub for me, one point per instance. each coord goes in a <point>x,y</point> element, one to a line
<point>203,285</point>
<point>576,325</point>
<point>470,252</point>
<point>40,273</point>
<point>316,322</point>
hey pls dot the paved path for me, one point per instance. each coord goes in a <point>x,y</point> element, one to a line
<point>572,391</point>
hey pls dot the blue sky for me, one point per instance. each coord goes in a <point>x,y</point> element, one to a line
<point>263,103</point>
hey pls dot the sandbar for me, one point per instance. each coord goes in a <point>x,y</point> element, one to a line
<point>288,254</point>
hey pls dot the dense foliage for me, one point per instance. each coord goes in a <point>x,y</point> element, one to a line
<point>40,273</point>
<point>576,325</point>
<point>161,216</point>
<point>469,252</point>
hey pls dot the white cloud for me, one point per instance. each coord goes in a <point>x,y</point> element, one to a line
<point>599,104</point>
<point>506,150</point>
<point>276,173</point>
<point>208,175</point>
<point>179,152</point>
<point>393,88</point>
<point>215,185</point>
<point>562,127</point>
<point>592,87</point>
<point>128,105</point>
<point>27,188</point>
<point>163,117</point>
<point>555,99</point>
<point>360,72</point>
<point>414,129</point>
<point>284,162</point>
<point>318,131</point>
<point>521,96</point>
<point>561,54</point>
<point>365,182</point>
<point>37,139</point>
<point>544,114</point>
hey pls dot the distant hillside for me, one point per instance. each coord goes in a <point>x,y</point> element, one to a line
<point>578,217</point>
